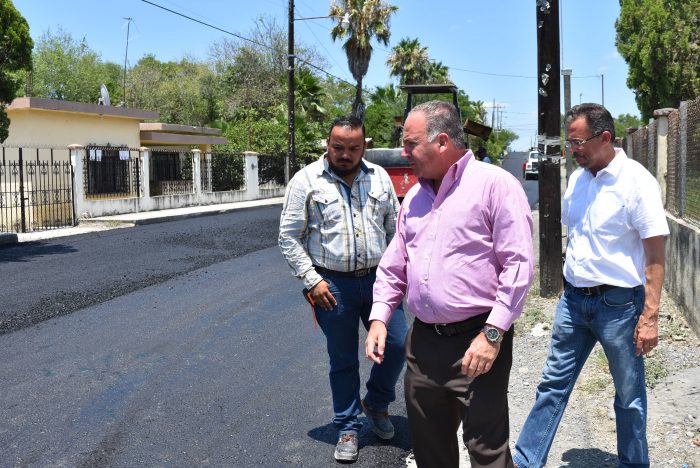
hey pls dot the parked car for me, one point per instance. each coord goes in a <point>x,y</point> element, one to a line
<point>531,166</point>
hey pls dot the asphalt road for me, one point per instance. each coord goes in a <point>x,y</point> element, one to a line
<point>513,163</point>
<point>216,362</point>
<point>54,277</point>
<point>184,343</point>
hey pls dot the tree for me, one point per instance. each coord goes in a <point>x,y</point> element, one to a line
<point>367,19</point>
<point>15,55</point>
<point>386,103</point>
<point>409,62</point>
<point>438,73</point>
<point>412,64</point>
<point>67,69</point>
<point>660,41</point>
<point>309,95</point>
<point>625,121</point>
<point>337,95</point>
<point>181,92</point>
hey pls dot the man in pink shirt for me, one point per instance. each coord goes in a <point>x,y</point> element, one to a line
<point>462,257</point>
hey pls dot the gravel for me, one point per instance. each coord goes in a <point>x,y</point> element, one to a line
<point>586,435</point>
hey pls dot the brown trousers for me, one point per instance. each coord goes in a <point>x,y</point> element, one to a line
<point>439,397</point>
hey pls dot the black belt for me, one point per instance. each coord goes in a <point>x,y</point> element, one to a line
<point>455,328</point>
<point>592,290</point>
<point>352,274</point>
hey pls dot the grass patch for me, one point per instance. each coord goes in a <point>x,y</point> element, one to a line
<point>597,375</point>
<point>654,369</point>
<point>533,314</point>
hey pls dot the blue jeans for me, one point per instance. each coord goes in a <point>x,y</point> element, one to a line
<point>609,318</point>
<point>340,325</point>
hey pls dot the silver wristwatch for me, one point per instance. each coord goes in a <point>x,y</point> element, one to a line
<point>492,334</point>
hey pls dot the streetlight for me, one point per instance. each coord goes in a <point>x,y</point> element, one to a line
<point>290,85</point>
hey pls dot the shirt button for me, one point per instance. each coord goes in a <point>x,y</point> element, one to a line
<point>426,305</point>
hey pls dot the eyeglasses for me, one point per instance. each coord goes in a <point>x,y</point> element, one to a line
<point>579,142</point>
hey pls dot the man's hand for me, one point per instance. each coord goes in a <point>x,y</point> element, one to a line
<point>646,334</point>
<point>376,338</point>
<point>322,296</point>
<point>480,356</point>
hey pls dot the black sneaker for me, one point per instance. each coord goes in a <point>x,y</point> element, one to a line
<point>379,422</point>
<point>347,448</point>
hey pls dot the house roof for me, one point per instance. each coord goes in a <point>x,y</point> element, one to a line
<point>173,134</point>
<point>57,105</point>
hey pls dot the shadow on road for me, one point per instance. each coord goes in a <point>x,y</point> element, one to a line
<point>584,458</point>
<point>28,250</point>
<point>329,434</point>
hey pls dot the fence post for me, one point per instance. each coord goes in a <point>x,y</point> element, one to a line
<point>661,116</point>
<point>683,156</point>
<point>145,200</point>
<point>197,172</point>
<point>252,187</point>
<point>77,160</point>
<point>209,159</point>
<point>629,148</point>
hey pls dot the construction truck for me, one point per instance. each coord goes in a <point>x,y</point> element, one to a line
<point>401,174</point>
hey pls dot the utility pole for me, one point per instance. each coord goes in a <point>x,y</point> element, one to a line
<point>290,94</point>
<point>126,52</point>
<point>567,106</point>
<point>602,90</point>
<point>493,113</point>
<point>549,145</point>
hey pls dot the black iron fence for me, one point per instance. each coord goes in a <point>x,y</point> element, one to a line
<point>171,173</point>
<point>223,172</point>
<point>111,172</point>
<point>36,189</point>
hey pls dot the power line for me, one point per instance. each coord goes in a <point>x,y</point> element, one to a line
<point>491,74</point>
<point>306,62</point>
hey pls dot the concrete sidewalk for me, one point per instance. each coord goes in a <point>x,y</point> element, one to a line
<point>133,219</point>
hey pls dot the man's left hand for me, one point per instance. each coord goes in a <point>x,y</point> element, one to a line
<point>646,335</point>
<point>480,356</point>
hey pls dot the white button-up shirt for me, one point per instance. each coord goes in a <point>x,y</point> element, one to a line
<point>607,217</point>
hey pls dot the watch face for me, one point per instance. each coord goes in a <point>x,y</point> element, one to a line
<point>492,334</point>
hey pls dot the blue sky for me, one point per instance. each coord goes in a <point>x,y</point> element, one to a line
<point>480,41</point>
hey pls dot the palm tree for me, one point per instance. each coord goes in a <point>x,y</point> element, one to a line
<point>364,19</point>
<point>438,73</point>
<point>409,61</point>
<point>309,94</point>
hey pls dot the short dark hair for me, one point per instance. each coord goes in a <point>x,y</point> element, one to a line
<point>442,117</point>
<point>349,121</point>
<point>597,117</point>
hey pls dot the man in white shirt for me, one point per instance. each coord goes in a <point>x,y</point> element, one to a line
<point>613,275</point>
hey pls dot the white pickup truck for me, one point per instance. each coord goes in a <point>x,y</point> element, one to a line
<point>531,166</point>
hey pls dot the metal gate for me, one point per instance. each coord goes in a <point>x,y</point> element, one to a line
<point>36,189</point>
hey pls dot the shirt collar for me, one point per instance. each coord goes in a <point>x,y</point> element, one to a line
<point>453,174</point>
<point>615,165</point>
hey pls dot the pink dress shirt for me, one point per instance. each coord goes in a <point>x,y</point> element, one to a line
<point>462,252</point>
